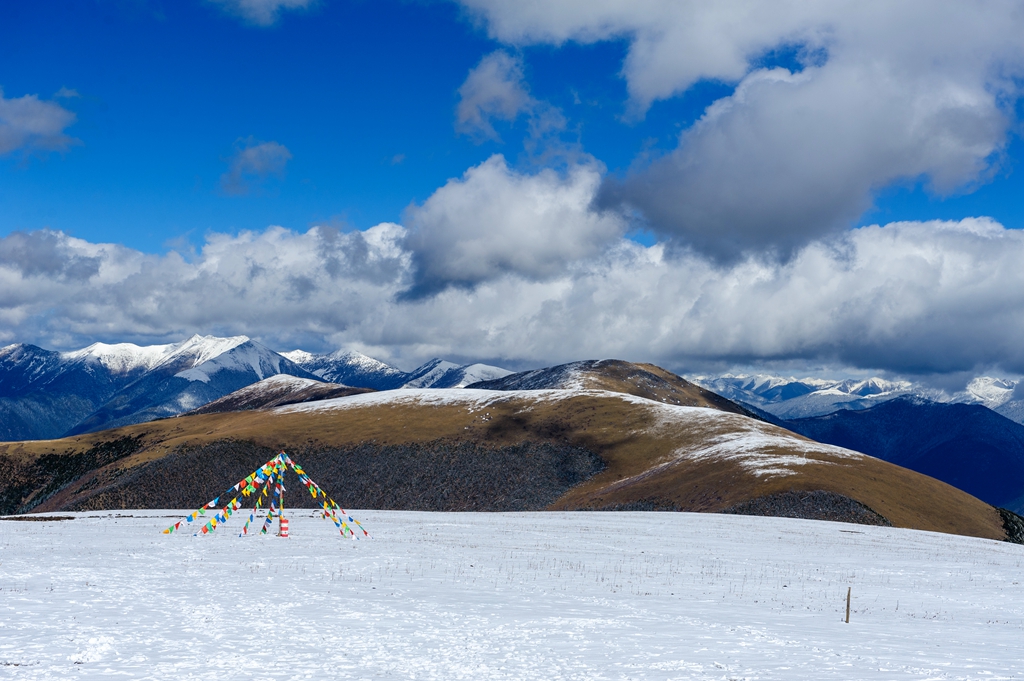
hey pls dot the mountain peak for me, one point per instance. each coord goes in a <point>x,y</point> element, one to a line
<point>987,390</point>
<point>200,349</point>
<point>298,356</point>
<point>121,357</point>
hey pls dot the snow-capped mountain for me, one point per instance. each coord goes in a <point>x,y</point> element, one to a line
<point>438,373</point>
<point>195,372</point>
<point>121,358</point>
<point>1003,396</point>
<point>349,368</point>
<point>986,390</point>
<point>790,398</point>
<point>793,398</point>
<point>358,370</point>
<point>467,375</point>
<point>46,394</point>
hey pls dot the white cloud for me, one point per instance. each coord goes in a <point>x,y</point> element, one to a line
<point>252,162</point>
<point>495,221</point>
<point>261,12</point>
<point>906,297</point>
<point>29,124</point>
<point>673,43</point>
<point>496,90</point>
<point>493,89</point>
<point>888,93</point>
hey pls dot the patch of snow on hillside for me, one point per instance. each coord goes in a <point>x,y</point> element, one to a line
<point>753,444</point>
<point>278,383</point>
<point>763,449</point>
<point>470,398</point>
<point>488,596</point>
<point>755,450</point>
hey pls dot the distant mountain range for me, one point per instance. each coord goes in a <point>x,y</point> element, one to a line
<point>792,398</point>
<point>958,439</point>
<point>46,394</point>
<point>359,371</point>
<point>599,435</point>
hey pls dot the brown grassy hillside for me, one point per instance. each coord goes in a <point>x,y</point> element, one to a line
<point>650,453</point>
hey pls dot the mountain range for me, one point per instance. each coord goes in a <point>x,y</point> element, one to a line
<point>792,398</point>
<point>46,394</point>
<point>597,435</point>
<point>959,440</point>
<point>359,371</point>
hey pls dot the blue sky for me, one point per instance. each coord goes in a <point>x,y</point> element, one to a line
<point>676,183</point>
<point>361,93</point>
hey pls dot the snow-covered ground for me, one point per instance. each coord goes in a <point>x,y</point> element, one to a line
<point>507,596</point>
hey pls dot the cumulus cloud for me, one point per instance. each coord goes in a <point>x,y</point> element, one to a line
<point>495,221</point>
<point>673,44</point>
<point>320,280</point>
<point>885,93</point>
<point>789,157</point>
<point>261,12</point>
<point>910,298</point>
<point>30,124</point>
<point>493,89</point>
<point>253,162</point>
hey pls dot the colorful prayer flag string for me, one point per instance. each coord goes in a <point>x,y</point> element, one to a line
<point>268,481</point>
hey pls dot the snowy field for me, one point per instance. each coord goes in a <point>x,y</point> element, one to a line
<point>506,596</point>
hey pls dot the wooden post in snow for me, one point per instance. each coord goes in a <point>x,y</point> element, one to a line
<point>848,604</point>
